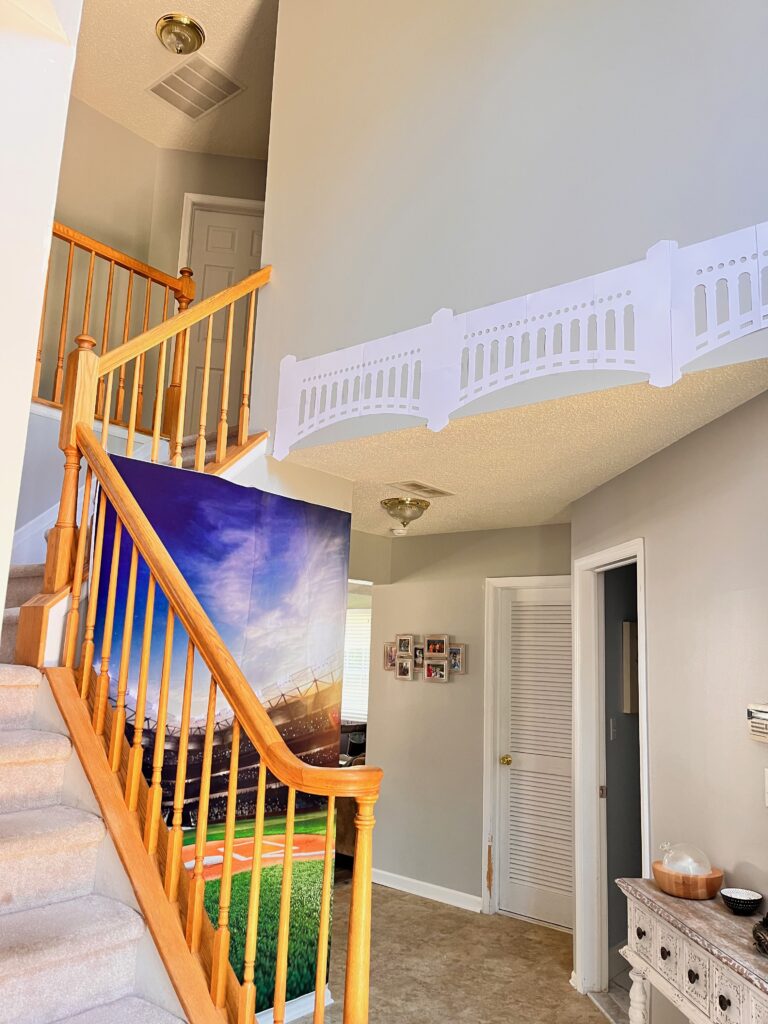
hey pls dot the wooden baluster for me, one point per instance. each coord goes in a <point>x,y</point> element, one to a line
<point>134,411</point>
<point>88,292</point>
<point>79,401</point>
<point>284,925</point>
<point>87,650</point>
<point>155,796</point>
<point>358,977</point>
<point>246,1009</point>
<point>245,405</point>
<point>105,416</point>
<point>221,437</point>
<point>179,435</point>
<point>58,379</point>
<point>173,398</point>
<point>73,616</point>
<point>102,680</point>
<point>136,754</point>
<point>176,837</point>
<point>321,975</point>
<point>41,335</point>
<point>118,716</point>
<point>201,443</point>
<point>140,368</point>
<point>105,333</point>
<point>221,939</point>
<point>196,892</point>
<point>159,395</point>
<point>120,400</point>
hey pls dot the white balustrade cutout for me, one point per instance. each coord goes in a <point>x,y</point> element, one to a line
<point>652,318</point>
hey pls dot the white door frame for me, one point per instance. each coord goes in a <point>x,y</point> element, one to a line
<point>590,942</point>
<point>491,739</point>
<point>197,201</point>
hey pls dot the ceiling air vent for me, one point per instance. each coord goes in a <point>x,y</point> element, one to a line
<point>196,87</point>
<point>421,489</point>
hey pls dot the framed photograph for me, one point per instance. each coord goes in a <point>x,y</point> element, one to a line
<point>457,658</point>
<point>404,668</point>
<point>418,656</point>
<point>436,645</point>
<point>404,643</point>
<point>436,669</point>
<point>390,656</point>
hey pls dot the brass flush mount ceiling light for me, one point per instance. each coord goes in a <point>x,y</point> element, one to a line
<point>405,510</point>
<point>180,34</point>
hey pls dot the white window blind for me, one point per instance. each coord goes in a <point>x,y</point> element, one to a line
<point>357,665</point>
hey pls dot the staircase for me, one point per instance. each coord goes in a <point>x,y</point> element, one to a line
<point>68,952</point>
<point>24,583</point>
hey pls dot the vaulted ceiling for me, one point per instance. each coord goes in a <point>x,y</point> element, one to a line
<point>119,58</point>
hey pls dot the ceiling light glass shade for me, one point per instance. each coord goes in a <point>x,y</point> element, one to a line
<point>180,34</point>
<point>405,510</point>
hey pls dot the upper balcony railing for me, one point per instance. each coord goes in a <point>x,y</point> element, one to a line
<point>651,318</point>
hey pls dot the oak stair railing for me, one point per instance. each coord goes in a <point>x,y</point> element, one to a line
<point>84,681</point>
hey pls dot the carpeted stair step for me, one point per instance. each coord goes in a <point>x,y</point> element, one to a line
<point>31,769</point>
<point>65,958</point>
<point>47,855</point>
<point>125,1011</point>
<point>18,689</point>
<point>188,447</point>
<point>24,583</point>
<point>8,638</point>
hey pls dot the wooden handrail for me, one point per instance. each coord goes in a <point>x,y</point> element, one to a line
<point>121,259</point>
<point>361,781</point>
<point>182,321</point>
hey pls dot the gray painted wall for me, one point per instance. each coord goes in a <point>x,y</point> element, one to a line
<point>428,737</point>
<point>456,154</point>
<point>702,508</point>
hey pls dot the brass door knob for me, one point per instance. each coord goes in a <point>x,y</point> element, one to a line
<point>505,759</point>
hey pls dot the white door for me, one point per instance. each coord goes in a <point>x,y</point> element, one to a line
<point>224,247</point>
<point>535,849</point>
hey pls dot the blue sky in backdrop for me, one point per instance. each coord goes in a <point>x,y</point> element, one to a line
<point>271,573</point>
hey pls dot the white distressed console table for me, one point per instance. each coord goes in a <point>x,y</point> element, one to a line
<point>697,954</point>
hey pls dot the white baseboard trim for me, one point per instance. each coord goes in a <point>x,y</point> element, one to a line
<point>296,1008</point>
<point>454,898</point>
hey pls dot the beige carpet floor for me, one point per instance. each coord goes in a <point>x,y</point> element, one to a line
<point>433,964</point>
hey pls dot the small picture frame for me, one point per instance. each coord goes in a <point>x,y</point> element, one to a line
<point>436,670</point>
<point>436,645</point>
<point>457,658</point>
<point>404,668</point>
<point>404,642</point>
<point>390,656</point>
<point>418,656</point>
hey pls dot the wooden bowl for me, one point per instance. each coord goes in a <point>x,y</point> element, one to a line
<point>688,887</point>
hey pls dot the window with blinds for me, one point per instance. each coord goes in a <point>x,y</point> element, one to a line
<point>357,665</point>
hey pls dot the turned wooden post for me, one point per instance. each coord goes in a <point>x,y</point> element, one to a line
<point>184,296</point>
<point>359,939</point>
<point>79,406</point>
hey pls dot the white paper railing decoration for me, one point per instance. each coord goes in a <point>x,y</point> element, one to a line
<point>652,318</point>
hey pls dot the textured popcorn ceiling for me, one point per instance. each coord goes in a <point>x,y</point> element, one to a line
<point>119,57</point>
<point>524,466</point>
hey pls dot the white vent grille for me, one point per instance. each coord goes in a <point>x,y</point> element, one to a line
<point>421,489</point>
<point>196,87</point>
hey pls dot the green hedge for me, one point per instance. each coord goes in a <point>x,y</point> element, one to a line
<point>302,943</point>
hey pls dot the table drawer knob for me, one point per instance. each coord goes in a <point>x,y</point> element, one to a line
<point>665,953</point>
<point>640,932</point>
<point>693,976</point>
<point>723,1002</point>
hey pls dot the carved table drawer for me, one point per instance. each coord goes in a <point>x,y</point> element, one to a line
<point>667,952</point>
<point>695,983</point>
<point>641,931</point>
<point>728,997</point>
<point>759,1010</point>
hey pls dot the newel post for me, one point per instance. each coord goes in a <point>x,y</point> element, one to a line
<point>79,406</point>
<point>357,982</point>
<point>184,296</point>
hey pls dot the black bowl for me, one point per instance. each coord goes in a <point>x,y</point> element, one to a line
<point>741,901</point>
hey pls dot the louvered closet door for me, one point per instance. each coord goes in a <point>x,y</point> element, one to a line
<point>536,812</point>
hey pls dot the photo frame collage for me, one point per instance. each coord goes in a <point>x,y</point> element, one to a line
<point>437,657</point>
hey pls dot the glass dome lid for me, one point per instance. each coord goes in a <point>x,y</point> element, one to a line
<point>685,859</point>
